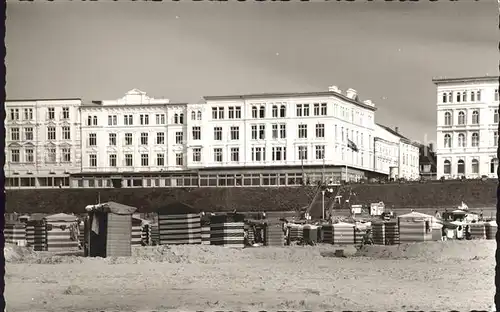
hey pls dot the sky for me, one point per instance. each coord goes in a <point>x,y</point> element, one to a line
<point>388,52</point>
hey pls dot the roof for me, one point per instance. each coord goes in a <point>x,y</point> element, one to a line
<point>287,95</point>
<point>61,217</point>
<point>402,137</point>
<point>415,214</point>
<point>344,224</point>
<point>176,208</point>
<point>112,207</point>
<point>49,99</point>
<point>99,104</point>
<point>465,79</point>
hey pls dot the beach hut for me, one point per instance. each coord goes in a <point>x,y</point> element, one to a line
<point>179,224</point>
<point>378,233</point>
<point>136,237</point>
<point>477,230</point>
<point>36,233</point>
<point>61,232</point>
<point>310,233</point>
<point>155,234</point>
<point>415,227</point>
<point>274,235</point>
<point>108,230</point>
<point>385,233</point>
<point>227,230</point>
<point>15,233</point>
<point>491,229</point>
<point>327,233</point>
<point>343,233</point>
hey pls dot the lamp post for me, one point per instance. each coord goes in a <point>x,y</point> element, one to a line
<point>323,204</point>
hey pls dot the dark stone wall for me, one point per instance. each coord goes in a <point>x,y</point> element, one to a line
<point>432,194</point>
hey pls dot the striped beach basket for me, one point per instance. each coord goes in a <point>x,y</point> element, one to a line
<point>227,231</point>
<point>136,235</point>
<point>205,235</point>
<point>15,233</point>
<point>343,233</point>
<point>274,235</point>
<point>36,235</point>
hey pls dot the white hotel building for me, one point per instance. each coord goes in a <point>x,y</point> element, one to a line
<point>467,127</point>
<point>241,140</point>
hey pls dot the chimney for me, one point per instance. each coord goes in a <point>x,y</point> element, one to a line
<point>396,129</point>
<point>351,93</point>
<point>334,89</point>
<point>431,147</point>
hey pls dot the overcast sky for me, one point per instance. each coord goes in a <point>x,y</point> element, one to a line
<point>388,52</point>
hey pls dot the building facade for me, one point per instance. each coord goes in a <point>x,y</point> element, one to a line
<point>42,142</point>
<point>242,140</point>
<point>467,127</point>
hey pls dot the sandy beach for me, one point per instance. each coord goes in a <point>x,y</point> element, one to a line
<point>427,276</point>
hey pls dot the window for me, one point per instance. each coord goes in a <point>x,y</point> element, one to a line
<point>306,110</point>
<point>461,167</point>
<point>282,131</point>
<point>283,111</point>
<point>464,96</point>
<point>198,115</point>
<point>324,109</point>
<point>496,94</point>
<point>160,138</point>
<point>112,160</point>
<point>459,96</point>
<point>144,160</point>
<point>51,113</point>
<point>92,121</point>
<point>302,152</point>
<point>447,167</point>
<point>51,155</point>
<point>475,117</point>
<point>66,155</point>
<point>93,160</point>
<point>92,139</point>
<point>112,139</point>
<point>144,119</point>
<point>495,116</point>
<point>235,133</point>
<point>14,156</point>
<point>221,112</point>
<point>160,159</point>
<point>447,140</point>
<point>254,132</point>
<point>66,133</point>
<point>178,118</point>
<point>320,130</point>
<point>218,113</point>
<point>274,131</point>
<point>29,155</point>
<point>461,140</point>
<point>478,95</point>
<point>302,131</point>
<point>475,166</point>
<point>51,133</point>
<point>235,154</point>
<point>447,119</point>
<point>262,132</point>
<point>230,112</point>
<point>129,161</point>
<point>316,109</point>
<point>495,138</point>
<point>196,154</point>
<point>279,153</point>
<point>217,154</point>
<point>65,113</point>
<point>160,119</point>
<point>238,112</point>
<point>28,114</point>
<point>179,137</point>
<point>196,133</point>
<point>262,112</point>
<point>128,120</point>
<point>299,110</point>
<point>475,139</point>
<point>193,115</point>
<point>14,134</point>
<point>128,138</point>
<point>493,165</point>
<point>275,111</point>
<point>214,113</point>
<point>144,138</point>
<point>461,118</point>
<point>14,114</point>
<point>320,152</point>
<point>445,97</point>
<point>258,153</point>
<point>255,112</point>
<point>179,159</point>
<point>450,97</point>
<point>218,133</point>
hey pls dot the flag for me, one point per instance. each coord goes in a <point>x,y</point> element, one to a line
<point>352,145</point>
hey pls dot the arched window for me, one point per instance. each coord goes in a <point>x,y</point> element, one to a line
<point>493,165</point>
<point>478,95</point>
<point>176,118</point>
<point>447,167</point>
<point>475,139</point>
<point>181,118</point>
<point>473,96</point>
<point>464,96</point>
<point>459,96</point>
<point>262,112</point>
<point>447,119</point>
<point>475,166</point>
<point>283,111</point>
<point>461,167</point>
<point>450,97</point>
<point>445,97</point>
<point>199,115</point>
<point>461,140</point>
<point>254,112</point>
<point>447,140</point>
<point>275,111</point>
<point>475,117</point>
<point>461,118</point>
<point>193,115</point>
